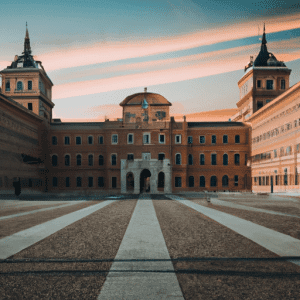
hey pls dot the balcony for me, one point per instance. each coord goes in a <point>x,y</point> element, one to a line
<point>25,91</point>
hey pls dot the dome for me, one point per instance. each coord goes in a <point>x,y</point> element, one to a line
<point>152,99</point>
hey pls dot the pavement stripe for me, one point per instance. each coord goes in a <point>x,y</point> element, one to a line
<point>279,243</point>
<point>38,210</point>
<point>149,279</point>
<point>13,244</point>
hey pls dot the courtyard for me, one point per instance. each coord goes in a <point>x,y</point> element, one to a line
<point>173,246</point>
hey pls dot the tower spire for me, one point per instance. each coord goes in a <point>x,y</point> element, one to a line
<point>264,40</point>
<point>27,49</point>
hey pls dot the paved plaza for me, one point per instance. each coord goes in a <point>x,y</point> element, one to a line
<point>235,246</point>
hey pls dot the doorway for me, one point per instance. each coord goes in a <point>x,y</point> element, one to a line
<point>145,181</point>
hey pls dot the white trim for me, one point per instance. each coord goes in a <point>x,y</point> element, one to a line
<point>180,159</point>
<point>144,134</point>
<point>179,135</point>
<point>114,143</point>
<point>128,138</point>
<point>159,135</point>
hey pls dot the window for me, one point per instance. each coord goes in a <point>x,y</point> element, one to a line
<point>190,140</point>
<point>130,157</point>
<point>285,178</point>
<point>146,138</point>
<point>161,156</point>
<point>100,139</point>
<point>202,181</point>
<point>225,139</point>
<point>67,181</point>
<point>213,139</point>
<point>114,139</point>
<point>161,138</point>
<point>113,159</point>
<point>236,180</point>
<point>67,160</point>
<point>54,160</point>
<point>269,84</point>
<point>268,101</point>
<point>101,160</point>
<point>78,181</point>
<point>202,139</point>
<point>91,159</point>
<point>281,151</point>
<point>29,85</point>
<point>54,181</point>
<point>7,86</point>
<point>275,153</point>
<point>100,181</point>
<point>282,84</point>
<point>178,139</point>
<point>288,150</point>
<point>54,140</point>
<point>130,138</point>
<point>29,106</point>
<point>190,159</point>
<point>214,159</point>
<point>213,181</point>
<point>202,159</point>
<point>246,159</point>
<point>91,181</point>
<point>78,160</point>
<point>90,140</point>
<point>237,159</point>
<point>225,159</point>
<point>258,83</point>
<point>114,182</point>
<point>260,104</point>
<point>237,139</point>
<point>225,181</point>
<point>178,159</point>
<point>78,140</point>
<point>19,85</point>
<point>177,181</point>
<point>191,181</point>
<point>67,140</point>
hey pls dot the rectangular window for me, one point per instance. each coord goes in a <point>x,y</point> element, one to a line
<point>30,106</point>
<point>7,86</point>
<point>246,159</point>
<point>178,139</point>
<point>177,181</point>
<point>91,160</point>
<point>225,139</point>
<point>268,101</point>
<point>54,140</point>
<point>260,104</point>
<point>202,139</point>
<point>114,139</point>
<point>29,87</point>
<point>90,140</point>
<point>213,139</point>
<point>114,182</point>
<point>130,157</point>
<point>190,140</point>
<point>78,140</point>
<point>67,181</point>
<point>67,140</point>
<point>161,156</point>
<point>100,139</point>
<point>113,159</point>
<point>202,159</point>
<point>161,138</point>
<point>100,181</point>
<point>91,181</point>
<point>275,153</point>
<point>146,138</point>
<point>54,182</point>
<point>282,84</point>
<point>214,159</point>
<point>78,181</point>
<point>269,84</point>
<point>236,180</point>
<point>130,138</point>
<point>258,83</point>
<point>237,139</point>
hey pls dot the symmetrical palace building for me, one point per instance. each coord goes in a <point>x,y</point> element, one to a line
<point>147,150</point>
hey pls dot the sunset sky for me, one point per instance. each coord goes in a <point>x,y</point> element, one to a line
<point>192,52</point>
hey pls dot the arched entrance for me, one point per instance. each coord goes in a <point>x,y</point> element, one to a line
<point>161,182</point>
<point>145,181</point>
<point>129,182</point>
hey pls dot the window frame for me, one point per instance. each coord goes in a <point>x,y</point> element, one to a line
<point>179,136</point>
<point>112,139</point>
<point>92,140</point>
<point>282,84</point>
<point>149,139</point>
<point>269,82</point>
<point>77,155</point>
<point>78,181</point>
<point>77,138</point>
<point>54,155</point>
<point>130,134</point>
<point>202,176</point>
<point>190,140</point>
<point>213,137</point>
<point>201,160</point>
<point>130,154</point>
<point>111,159</point>
<point>190,159</point>
<point>67,154</point>
<point>91,163</point>
<point>54,140</point>
<point>176,159</point>
<point>177,181</point>
<point>29,88</point>
<point>225,142</point>
<point>161,153</point>
<point>235,139</point>
<point>99,139</point>
<point>225,163</point>
<point>202,136</point>
<point>211,159</point>
<point>65,139</point>
<point>164,139</point>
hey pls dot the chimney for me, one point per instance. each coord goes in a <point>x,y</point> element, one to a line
<point>145,90</point>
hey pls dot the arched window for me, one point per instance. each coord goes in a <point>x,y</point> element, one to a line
<point>78,159</point>
<point>190,159</point>
<point>202,181</point>
<point>225,180</point>
<point>54,160</point>
<point>191,181</point>
<point>178,159</point>
<point>225,159</point>
<point>237,159</point>
<point>213,181</point>
<point>19,85</point>
<point>202,159</point>
<point>91,159</point>
<point>101,160</point>
<point>113,159</point>
<point>67,160</point>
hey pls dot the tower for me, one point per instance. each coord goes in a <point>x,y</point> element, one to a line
<point>265,79</point>
<point>26,82</point>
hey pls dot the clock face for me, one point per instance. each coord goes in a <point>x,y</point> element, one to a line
<point>16,57</point>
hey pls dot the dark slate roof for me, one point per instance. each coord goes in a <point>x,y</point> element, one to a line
<point>215,124</point>
<point>151,98</point>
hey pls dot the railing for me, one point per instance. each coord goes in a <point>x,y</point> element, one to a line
<point>25,91</point>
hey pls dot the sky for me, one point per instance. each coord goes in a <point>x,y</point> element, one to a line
<point>97,52</point>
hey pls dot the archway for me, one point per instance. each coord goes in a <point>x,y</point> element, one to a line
<point>145,181</point>
<point>129,182</point>
<point>161,181</point>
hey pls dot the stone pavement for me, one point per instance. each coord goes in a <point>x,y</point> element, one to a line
<point>130,276</point>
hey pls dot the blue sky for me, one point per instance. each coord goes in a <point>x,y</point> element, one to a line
<point>191,52</point>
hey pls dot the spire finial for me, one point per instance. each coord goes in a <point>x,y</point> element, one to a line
<point>27,49</point>
<point>264,40</point>
<point>27,34</point>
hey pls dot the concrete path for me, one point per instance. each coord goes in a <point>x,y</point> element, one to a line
<point>13,244</point>
<point>142,279</point>
<point>39,210</point>
<point>279,243</point>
